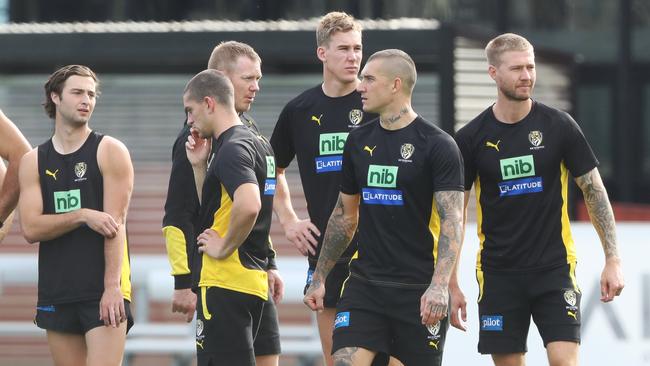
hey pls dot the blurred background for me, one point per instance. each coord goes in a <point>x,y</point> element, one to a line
<point>593,60</point>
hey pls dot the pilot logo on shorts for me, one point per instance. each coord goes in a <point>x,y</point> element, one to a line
<point>355,116</point>
<point>570,297</point>
<point>342,319</point>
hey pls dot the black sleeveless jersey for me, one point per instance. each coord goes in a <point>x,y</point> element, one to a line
<point>520,173</point>
<point>71,267</point>
<point>240,156</point>
<point>313,128</point>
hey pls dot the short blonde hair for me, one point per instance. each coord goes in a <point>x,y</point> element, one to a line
<point>398,64</point>
<point>224,56</point>
<point>333,22</point>
<point>504,43</point>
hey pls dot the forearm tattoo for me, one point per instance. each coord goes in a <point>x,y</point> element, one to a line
<point>450,212</point>
<point>600,210</point>
<point>338,235</point>
<point>343,357</point>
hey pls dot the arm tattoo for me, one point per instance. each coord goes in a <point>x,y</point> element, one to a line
<point>600,210</point>
<point>339,233</point>
<point>343,357</point>
<point>450,211</point>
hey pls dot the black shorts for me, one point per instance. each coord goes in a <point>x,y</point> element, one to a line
<point>226,325</point>
<point>75,317</point>
<point>387,320</point>
<point>267,341</point>
<point>333,283</point>
<point>507,302</point>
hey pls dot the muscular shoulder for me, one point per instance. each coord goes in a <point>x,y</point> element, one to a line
<point>112,154</point>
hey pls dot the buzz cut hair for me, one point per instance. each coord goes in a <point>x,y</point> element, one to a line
<point>333,22</point>
<point>504,43</point>
<point>225,55</point>
<point>210,83</point>
<point>398,64</point>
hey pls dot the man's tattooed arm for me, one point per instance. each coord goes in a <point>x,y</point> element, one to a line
<point>434,302</point>
<point>340,230</point>
<point>600,210</point>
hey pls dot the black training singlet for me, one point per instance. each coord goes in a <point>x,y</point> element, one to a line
<point>71,267</point>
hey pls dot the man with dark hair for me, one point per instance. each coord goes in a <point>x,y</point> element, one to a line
<point>75,192</point>
<point>518,154</point>
<point>234,221</point>
<point>401,187</point>
<point>313,128</point>
<point>13,146</point>
<point>242,65</point>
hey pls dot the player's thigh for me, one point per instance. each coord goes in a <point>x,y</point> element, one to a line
<point>504,313</point>
<point>105,345</point>
<point>67,349</point>
<point>556,305</point>
<point>354,356</point>
<point>561,353</point>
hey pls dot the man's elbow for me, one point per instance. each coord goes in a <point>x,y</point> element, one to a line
<point>29,232</point>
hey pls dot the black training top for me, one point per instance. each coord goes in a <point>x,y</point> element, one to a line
<point>396,173</point>
<point>182,210</point>
<point>520,173</point>
<point>313,127</point>
<point>240,157</point>
<point>71,267</point>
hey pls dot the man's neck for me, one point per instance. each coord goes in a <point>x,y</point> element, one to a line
<point>334,88</point>
<point>399,116</point>
<point>224,121</point>
<point>511,111</point>
<point>68,138</point>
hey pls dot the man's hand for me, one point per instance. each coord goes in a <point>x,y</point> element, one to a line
<point>197,149</point>
<point>111,307</point>
<point>458,303</point>
<point>314,295</point>
<point>611,280</point>
<point>101,222</point>
<point>211,243</point>
<point>276,285</point>
<point>184,301</point>
<point>302,234</point>
<point>433,304</point>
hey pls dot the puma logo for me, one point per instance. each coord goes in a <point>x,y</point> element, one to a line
<point>317,119</point>
<point>495,146</point>
<point>200,344</point>
<point>53,175</point>
<point>433,344</point>
<point>572,314</point>
<point>369,150</point>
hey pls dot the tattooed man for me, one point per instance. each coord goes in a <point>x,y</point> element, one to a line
<point>402,189</point>
<point>518,154</point>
